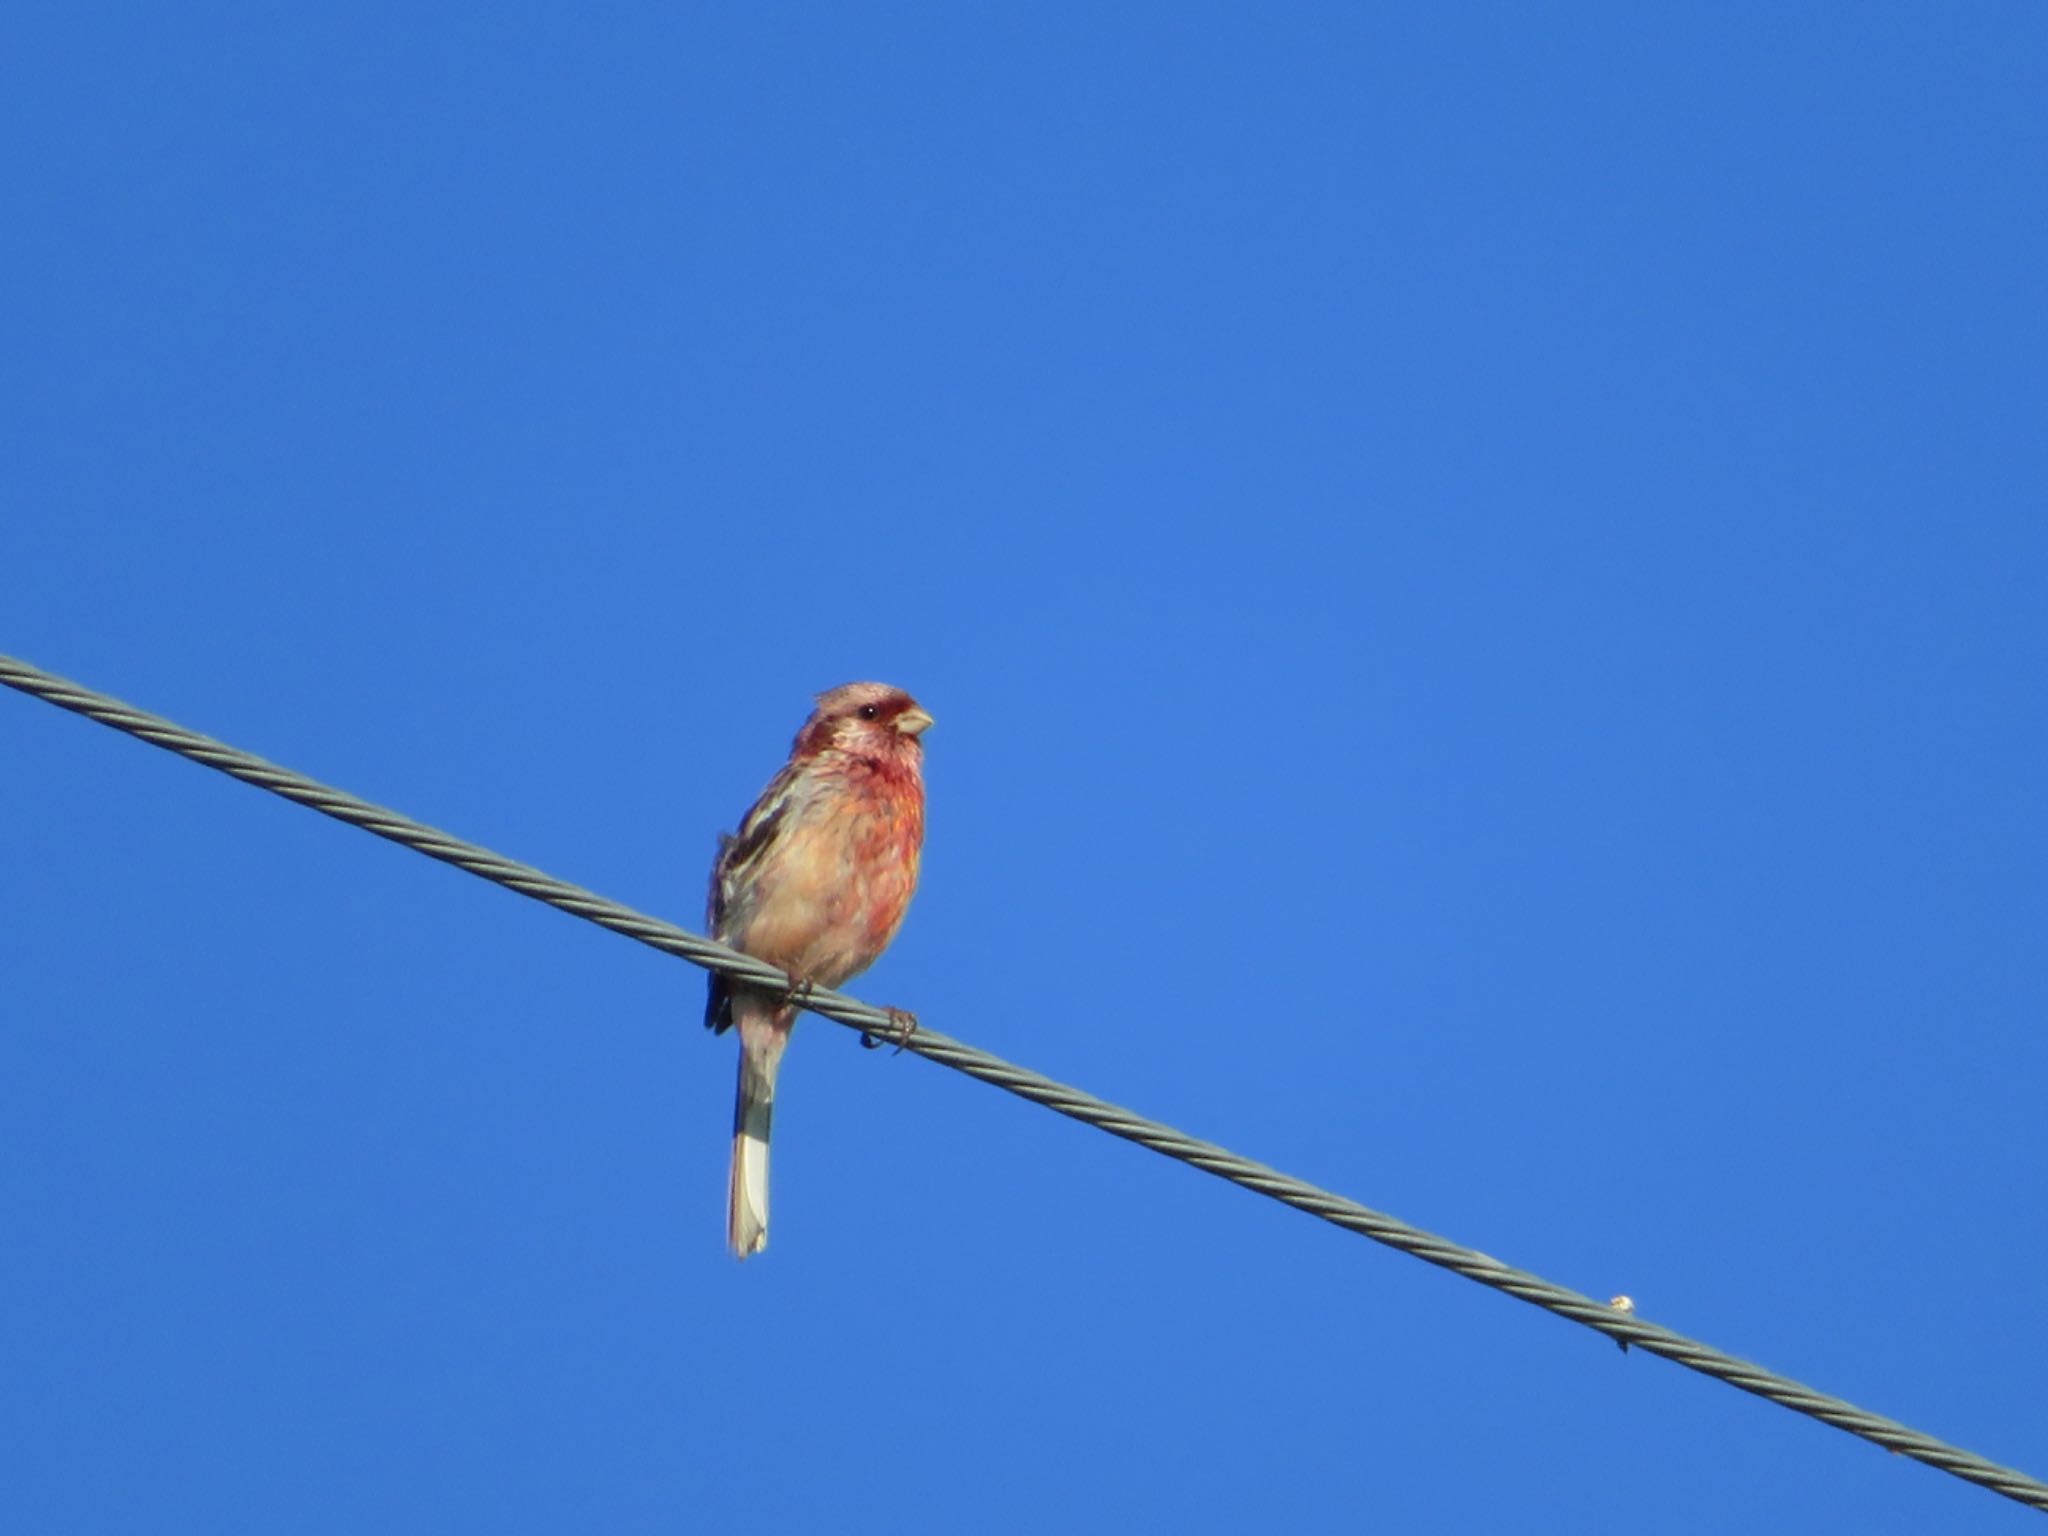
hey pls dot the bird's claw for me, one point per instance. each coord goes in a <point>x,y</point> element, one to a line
<point>902,1025</point>
<point>905,1024</point>
<point>799,993</point>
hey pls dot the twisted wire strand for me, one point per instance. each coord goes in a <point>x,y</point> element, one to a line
<point>1625,1328</point>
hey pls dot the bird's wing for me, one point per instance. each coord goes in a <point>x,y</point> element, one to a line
<point>736,881</point>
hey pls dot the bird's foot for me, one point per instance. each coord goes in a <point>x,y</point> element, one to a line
<point>902,1025</point>
<point>799,993</point>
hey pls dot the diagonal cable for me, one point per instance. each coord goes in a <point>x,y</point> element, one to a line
<point>1625,1328</point>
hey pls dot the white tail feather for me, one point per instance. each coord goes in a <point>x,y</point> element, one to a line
<point>747,1201</point>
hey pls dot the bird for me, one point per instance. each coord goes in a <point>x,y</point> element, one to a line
<point>815,882</point>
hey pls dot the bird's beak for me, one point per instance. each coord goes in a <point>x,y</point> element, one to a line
<point>913,721</point>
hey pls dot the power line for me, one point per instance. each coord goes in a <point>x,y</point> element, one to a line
<point>1605,1318</point>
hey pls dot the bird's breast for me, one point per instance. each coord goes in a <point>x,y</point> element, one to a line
<point>836,889</point>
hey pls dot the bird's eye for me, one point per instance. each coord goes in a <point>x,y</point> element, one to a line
<point>868,711</point>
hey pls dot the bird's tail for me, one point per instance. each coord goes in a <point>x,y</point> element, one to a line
<point>763,1031</point>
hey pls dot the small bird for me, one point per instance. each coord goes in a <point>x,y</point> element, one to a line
<point>815,882</point>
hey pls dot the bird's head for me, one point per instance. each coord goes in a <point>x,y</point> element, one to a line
<point>868,720</point>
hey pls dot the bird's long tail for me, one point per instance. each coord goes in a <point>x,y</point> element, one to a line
<point>764,1032</point>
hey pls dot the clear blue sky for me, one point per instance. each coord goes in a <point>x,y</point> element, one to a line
<point>1481,574</point>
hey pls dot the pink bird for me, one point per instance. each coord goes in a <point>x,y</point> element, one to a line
<point>815,882</point>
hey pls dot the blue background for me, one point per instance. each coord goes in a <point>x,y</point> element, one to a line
<point>1481,574</point>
